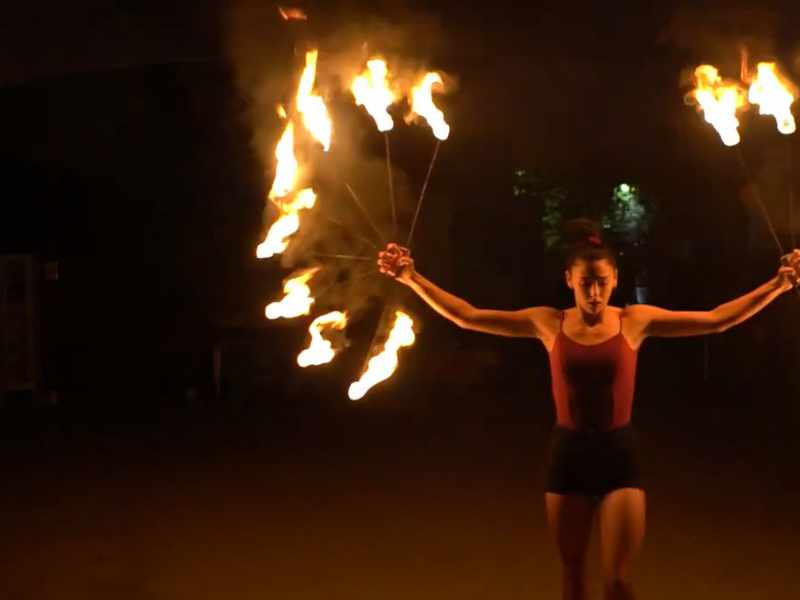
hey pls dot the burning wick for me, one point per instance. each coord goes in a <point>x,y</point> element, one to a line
<point>321,351</point>
<point>719,102</point>
<point>383,365</point>
<point>288,223</point>
<point>422,105</point>
<point>774,96</point>
<point>297,301</point>
<point>286,169</point>
<point>371,90</point>
<point>312,107</point>
<point>292,14</point>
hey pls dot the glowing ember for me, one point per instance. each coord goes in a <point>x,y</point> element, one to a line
<point>719,102</point>
<point>292,14</point>
<point>371,90</point>
<point>297,301</point>
<point>321,351</point>
<point>312,107</point>
<point>288,223</point>
<point>774,96</point>
<point>286,169</point>
<point>422,105</point>
<point>381,366</point>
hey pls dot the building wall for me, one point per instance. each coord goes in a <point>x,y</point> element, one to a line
<point>19,370</point>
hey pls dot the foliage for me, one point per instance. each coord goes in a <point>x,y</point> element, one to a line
<point>552,199</point>
<point>628,217</point>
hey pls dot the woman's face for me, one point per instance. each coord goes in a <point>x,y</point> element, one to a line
<point>592,283</point>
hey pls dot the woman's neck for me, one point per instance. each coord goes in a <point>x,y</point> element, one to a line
<point>592,319</point>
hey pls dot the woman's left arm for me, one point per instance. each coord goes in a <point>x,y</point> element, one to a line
<point>659,322</point>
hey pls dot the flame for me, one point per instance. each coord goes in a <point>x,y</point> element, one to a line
<point>371,90</point>
<point>744,64</point>
<point>291,14</point>
<point>774,96</point>
<point>321,351</point>
<point>422,105</point>
<point>719,102</point>
<point>287,224</point>
<point>381,366</point>
<point>297,300</point>
<point>286,170</point>
<point>312,107</point>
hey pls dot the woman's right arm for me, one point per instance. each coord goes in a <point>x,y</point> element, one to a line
<point>396,262</point>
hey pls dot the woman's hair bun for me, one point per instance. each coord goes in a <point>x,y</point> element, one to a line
<point>583,239</point>
<point>582,231</point>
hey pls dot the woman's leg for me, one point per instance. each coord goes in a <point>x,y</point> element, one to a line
<point>622,524</point>
<point>570,520</point>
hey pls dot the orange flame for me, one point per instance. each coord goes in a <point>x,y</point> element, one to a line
<point>311,106</point>
<point>288,223</point>
<point>292,14</point>
<point>719,101</point>
<point>422,105</point>
<point>774,96</point>
<point>297,300</point>
<point>381,366</point>
<point>286,169</point>
<point>371,90</point>
<point>321,351</point>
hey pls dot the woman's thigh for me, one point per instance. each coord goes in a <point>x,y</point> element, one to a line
<point>621,518</point>
<point>570,518</point>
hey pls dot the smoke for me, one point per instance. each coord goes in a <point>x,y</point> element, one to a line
<point>718,32</point>
<point>714,31</point>
<point>267,54</point>
<point>735,37</point>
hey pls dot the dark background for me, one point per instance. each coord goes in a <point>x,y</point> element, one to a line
<point>127,156</point>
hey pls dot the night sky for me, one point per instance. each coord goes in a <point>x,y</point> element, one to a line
<point>135,153</point>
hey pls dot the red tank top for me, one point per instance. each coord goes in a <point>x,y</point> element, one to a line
<point>592,383</point>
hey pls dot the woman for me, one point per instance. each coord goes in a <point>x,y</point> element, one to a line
<point>592,348</point>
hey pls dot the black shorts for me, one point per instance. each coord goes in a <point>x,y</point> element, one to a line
<point>592,463</point>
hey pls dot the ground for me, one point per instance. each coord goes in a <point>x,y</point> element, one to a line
<point>356,504</point>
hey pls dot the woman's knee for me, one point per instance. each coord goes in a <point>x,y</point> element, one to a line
<point>573,568</point>
<point>618,571</point>
<point>617,579</point>
<point>618,588</point>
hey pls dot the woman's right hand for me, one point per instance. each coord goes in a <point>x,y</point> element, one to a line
<point>789,271</point>
<point>396,262</point>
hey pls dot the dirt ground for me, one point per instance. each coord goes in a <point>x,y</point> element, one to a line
<point>361,506</point>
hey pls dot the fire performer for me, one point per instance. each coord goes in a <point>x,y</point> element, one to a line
<point>592,347</point>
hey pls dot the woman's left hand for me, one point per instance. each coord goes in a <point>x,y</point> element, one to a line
<point>789,271</point>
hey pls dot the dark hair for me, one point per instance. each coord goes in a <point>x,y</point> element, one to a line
<point>583,240</point>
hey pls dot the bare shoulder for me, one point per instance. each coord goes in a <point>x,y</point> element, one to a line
<point>638,313</point>
<point>635,320</point>
<point>546,322</point>
<point>545,316</point>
